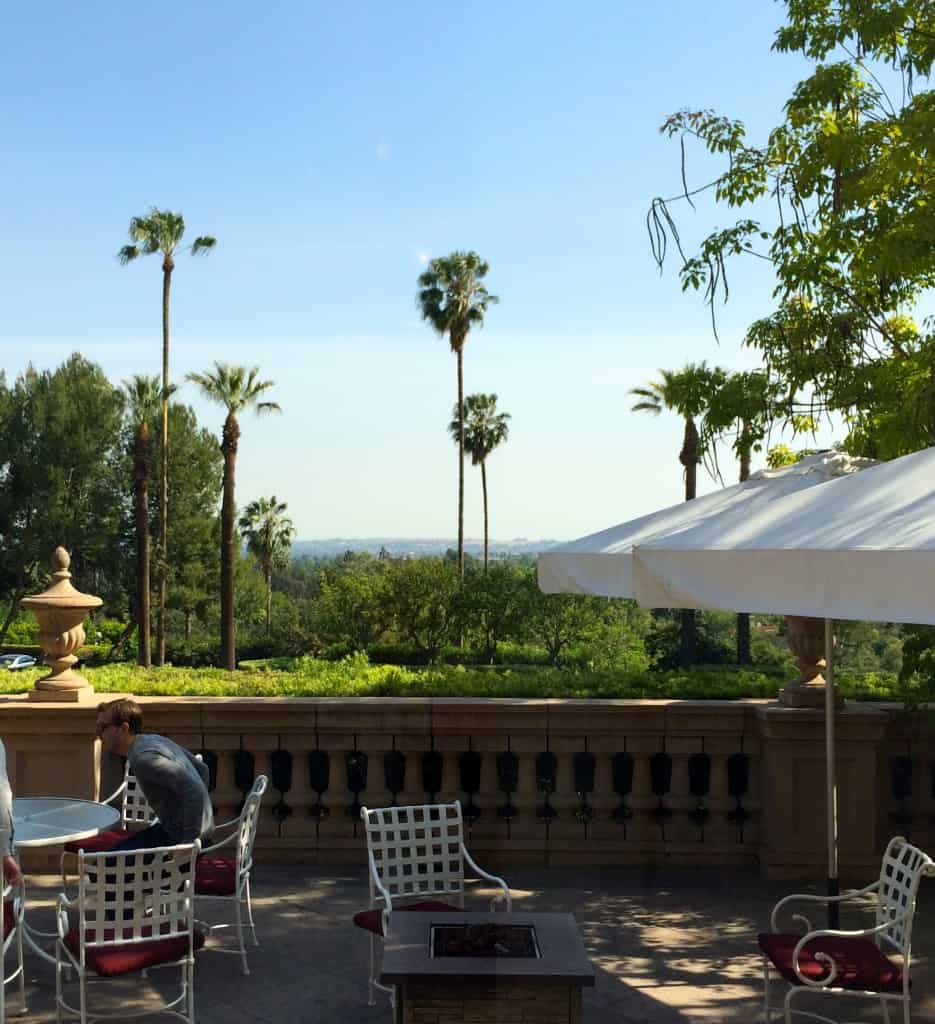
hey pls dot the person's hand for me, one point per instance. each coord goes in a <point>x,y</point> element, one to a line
<point>11,871</point>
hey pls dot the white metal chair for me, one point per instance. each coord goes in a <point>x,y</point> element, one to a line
<point>12,935</point>
<point>854,962</point>
<point>415,852</point>
<point>135,813</point>
<point>228,877</point>
<point>133,912</point>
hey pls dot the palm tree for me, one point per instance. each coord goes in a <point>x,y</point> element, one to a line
<point>453,299</point>
<point>744,404</point>
<point>269,538</point>
<point>686,392</point>
<point>481,429</point>
<point>144,396</point>
<point>161,231</point>
<point>236,389</point>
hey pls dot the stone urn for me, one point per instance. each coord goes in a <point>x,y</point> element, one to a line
<point>61,611</point>
<point>806,639</point>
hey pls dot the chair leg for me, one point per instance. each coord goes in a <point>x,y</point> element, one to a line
<point>22,970</point>
<point>189,976</point>
<point>884,1004</point>
<point>767,1013</point>
<point>243,948</point>
<point>371,1001</point>
<point>250,912</point>
<point>83,997</point>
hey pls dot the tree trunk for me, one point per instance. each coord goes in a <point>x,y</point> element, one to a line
<point>228,510</point>
<point>268,574</point>
<point>744,655</point>
<point>188,625</point>
<point>163,561</point>
<point>141,518</point>
<point>121,640</point>
<point>483,480</point>
<point>689,459</point>
<point>11,614</point>
<point>460,356</point>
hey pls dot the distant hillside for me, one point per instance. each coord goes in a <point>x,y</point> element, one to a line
<point>415,547</point>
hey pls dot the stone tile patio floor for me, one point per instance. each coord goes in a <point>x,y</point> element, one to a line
<point>669,946</point>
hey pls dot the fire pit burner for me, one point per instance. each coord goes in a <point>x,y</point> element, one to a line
<point>516,941</point>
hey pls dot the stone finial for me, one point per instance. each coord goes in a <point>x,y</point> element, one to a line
<point>61,611</point>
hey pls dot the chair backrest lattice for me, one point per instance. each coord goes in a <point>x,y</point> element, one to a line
<point>416,850</point>
<point>135,895</point>
<point>249,820</point>
<point>900,873</point>
<point>135,808</point>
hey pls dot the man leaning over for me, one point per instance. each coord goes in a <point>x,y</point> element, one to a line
<point>174,783</point>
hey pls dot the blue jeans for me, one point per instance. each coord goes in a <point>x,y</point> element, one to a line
<point>146,839</point>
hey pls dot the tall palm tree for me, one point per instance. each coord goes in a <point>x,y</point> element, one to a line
<point>269,536</point>
<point>144,396</point>
<point>481,429</point>
<point>161,231</point>
<point>453,298</point>
<point>685,392</point>
<point>236,389</point>
<point>741,407</point>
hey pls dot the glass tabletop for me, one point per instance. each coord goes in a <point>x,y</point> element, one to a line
<point>49,820</point>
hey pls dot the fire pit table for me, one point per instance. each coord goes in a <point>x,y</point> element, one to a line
<point>453,967</point>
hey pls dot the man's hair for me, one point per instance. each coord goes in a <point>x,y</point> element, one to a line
<point>124,709</point>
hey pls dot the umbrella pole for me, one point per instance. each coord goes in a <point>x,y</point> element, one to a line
<point>834,912</point>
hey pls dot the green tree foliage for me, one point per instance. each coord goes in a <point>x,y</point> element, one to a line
<point>480,428</point>
<point>269,534</point>
<point>236,389</point>
<point>352,607</point>
<point>491,605</point>
<point>453,298</point>
<point>161,232</point>
<point>59,478</point>
<point>420,595</point>
<point>848,173</point>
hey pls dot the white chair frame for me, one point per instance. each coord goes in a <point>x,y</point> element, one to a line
<point>13,894</point>
<point>241,835</point>
<point>134,810</point>
<point>143,894</point>
<point>894,896</point>
<point>417,852</point>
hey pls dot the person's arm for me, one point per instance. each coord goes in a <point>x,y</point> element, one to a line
<point>11,870</point>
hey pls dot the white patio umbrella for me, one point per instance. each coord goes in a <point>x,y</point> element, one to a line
<point>602,563</point>
<point>860,547</point>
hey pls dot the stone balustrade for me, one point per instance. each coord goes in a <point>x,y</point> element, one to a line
<point>541,781</point>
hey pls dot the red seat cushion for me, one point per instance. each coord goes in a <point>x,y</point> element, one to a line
<point>215,876</point>
<point>126,957</point>
<point>861,965</point>
<point>9,918</point>
<point>372,920</point>
<point>100,843</point>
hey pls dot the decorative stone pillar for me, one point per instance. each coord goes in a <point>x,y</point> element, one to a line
<point>61,611</point>
<point>806,639</point>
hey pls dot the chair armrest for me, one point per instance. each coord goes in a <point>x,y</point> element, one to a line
<point>227,841</point>
<point>117,793</point>
<point>62,906</point>
<point>806,897</point>
<point>504,895</point>
<point>826,958</point>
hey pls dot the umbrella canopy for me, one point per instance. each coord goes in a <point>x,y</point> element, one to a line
<point>602,563</point>
<point>860,547</point>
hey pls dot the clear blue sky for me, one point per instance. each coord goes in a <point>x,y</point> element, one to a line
<point>332,151</point>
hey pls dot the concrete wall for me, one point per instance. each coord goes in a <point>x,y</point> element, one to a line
<point>710,782</point>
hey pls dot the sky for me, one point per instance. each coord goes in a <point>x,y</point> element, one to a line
<point>332,150</point>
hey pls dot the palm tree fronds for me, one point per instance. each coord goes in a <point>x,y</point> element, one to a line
<point>203,244</point>
<point>127,254</point>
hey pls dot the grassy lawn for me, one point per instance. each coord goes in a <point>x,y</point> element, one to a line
<point>355,677</point>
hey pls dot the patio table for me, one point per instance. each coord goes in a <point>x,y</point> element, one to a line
<point>51,821</point>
